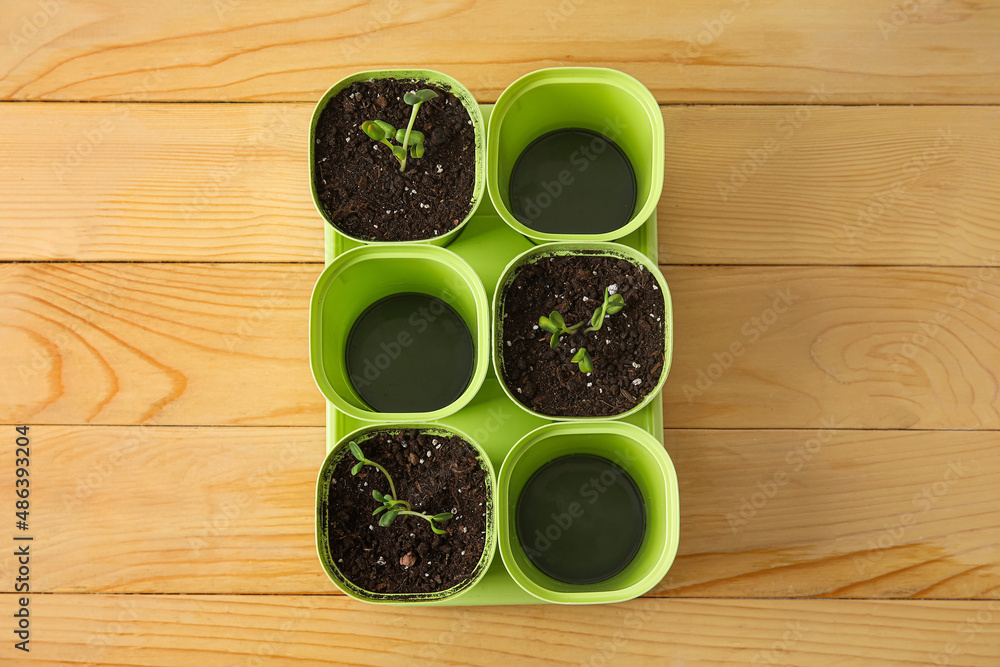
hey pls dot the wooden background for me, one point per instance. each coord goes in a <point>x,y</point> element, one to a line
<point>839,476</point>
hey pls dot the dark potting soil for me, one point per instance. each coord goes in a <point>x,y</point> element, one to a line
<point>435,474</point>
<point>358,180</point>
<point>627,351</point>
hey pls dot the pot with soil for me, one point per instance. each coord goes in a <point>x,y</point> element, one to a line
<point>405,514</point>
<point>575,154</point>
<point>397,156</point>
<point>582,330</point>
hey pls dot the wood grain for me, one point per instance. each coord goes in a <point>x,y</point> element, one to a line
<point>861,347</point>
<point>194,344</point>
<point>823,185</point>
<point>280,630</point>
<point>831,185</point>
<point>716,51</point>
<point>156,344</point>
<point>162,182</point>
<point>789,513</point>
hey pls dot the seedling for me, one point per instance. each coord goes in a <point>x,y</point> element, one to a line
<point>556,325</point>
<point>583,360</point>
<point>391,505</point>
<point>408,139</point>
<point>613,303</point>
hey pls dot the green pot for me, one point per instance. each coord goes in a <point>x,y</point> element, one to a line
<point>645,461</point>
<point>323,511</point>
<point>430,76</point>
<point>360,277</point>
<point>615,250</point>
<point>602,100</point>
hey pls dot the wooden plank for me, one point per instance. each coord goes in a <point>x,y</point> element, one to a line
<point>279,630</point>
<point>167,344</point>
<point>824,185</point>
<point>715,51</point>
<point>157,344</point>
<point>864,347</point>
<point>763,513</point>
<point>834,513</point>
<point>172,510</point>
<point>165,182</point>
<point>829,185</point>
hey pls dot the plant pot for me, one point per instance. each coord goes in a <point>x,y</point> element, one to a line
<point>624,379</point>
<point>605,101</point>
<point>629,449</point>
<point>382,155</point>
<point>359,278</point>
<point>402,536</point>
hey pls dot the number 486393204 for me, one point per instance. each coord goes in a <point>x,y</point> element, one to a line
<point>23,454</point>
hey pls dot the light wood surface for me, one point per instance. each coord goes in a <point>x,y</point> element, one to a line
<point>833,407</point>
<point>716,51</point>
<point>318,630</point>
<point>819,512</point>
<point>743,184</point>
<point>865,347</point>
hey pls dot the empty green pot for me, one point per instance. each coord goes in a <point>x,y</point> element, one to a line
<point>615,250</point>
<point>438,79</point>
<point>323,511</point>
<point>638,454</point>
<point>357,279</point>
<point>602,100</point>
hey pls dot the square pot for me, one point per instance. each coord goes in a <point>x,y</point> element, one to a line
<point>437,78</point>
<point>634,451</point>
<point>323,511</point>
<point>615,250</point>
<point>601,100</point>
<point>357,279</point>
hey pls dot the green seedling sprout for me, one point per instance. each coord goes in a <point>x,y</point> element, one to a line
<point>556,325</point>
<point>613,303</point>
<point>391,505</point>
<point>408,139</point>
<point>583,360</point>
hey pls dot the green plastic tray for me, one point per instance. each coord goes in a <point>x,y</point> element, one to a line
<point>488,244</point>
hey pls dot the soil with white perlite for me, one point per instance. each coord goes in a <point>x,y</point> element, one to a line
<point>627,352</point>
<point>358,181</point>
<point>435,474</point>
